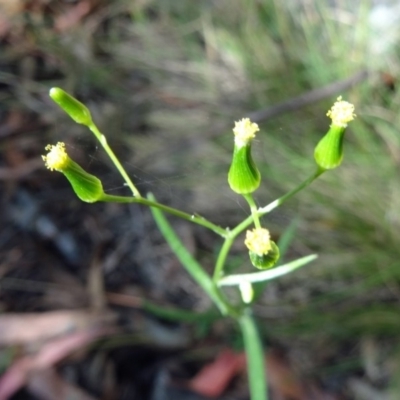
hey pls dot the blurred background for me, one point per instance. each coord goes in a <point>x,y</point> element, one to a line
<point>165,81</point>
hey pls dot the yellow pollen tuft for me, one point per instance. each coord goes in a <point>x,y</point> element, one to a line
<point>244,131</point>
<point>56,158</point>
<point>341,113</point>
<point>258,241</point>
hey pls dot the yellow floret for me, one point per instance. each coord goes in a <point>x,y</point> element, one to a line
<point>56,158</point>
<point>244,131</point>
<point>341,113</point>
<point>258,241</point>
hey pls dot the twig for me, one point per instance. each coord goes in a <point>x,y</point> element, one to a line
<point>307,98</point>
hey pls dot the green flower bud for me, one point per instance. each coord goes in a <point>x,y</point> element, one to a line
<point>265,261</point>
<point>328,153</point>
<point>243,176</point>
<point>86,186</point>
<point>73,107</point>
<point>263,252</point>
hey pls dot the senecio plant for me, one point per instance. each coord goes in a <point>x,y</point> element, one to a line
<point>244,179</point>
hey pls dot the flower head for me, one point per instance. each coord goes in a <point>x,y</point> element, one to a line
<point>56,158</point>
<point>258,241</point>
<point>341,113</point>
<point>86,186</point>
<point>244,176</point>
<point>244,131</point>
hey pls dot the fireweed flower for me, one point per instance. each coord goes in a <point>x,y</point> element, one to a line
<point>86,186</point>
<point>328,153</point>
<point>258,241</point>
<point>56,158</point>
<point>243,176</point>
<point>244,131</point>
<point>341,113</point>
<point>263,252</point>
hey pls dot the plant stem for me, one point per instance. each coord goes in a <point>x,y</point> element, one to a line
<point>255,357</point>
<point>253,209</point>
<point>190,264</point>
<point>103,141</point>
<point>181,214</point>
<point>255,215</point>
<point>268,208</point>
<point>276,203</point>
<point>223,253</point>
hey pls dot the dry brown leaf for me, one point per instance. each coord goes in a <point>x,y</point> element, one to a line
<point>51,353</point>
<point>28,328</point>
<point>213,378</point>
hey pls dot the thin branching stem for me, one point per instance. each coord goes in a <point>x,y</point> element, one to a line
<point>199,220</point>
<point>276,203</point>
<point>103,141</point>
<point>253,208</point>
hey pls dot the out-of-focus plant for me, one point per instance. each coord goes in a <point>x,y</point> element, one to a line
<point>244,179</point>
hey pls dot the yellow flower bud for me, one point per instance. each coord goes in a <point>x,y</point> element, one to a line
<point>328,153</point>
<point>243,176</point>
<point>56,158</point>
<point>263,252</point>
<point>258,241</point>
<point>86,186</point>
<point>341,113</point>
<point>244,131</point>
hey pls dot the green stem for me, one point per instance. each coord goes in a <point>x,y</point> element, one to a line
<point>268,208</point>
<point>190,264</point>
<point>255,357</point>
<point>276,203</point>
<point>223,254</point>
<point>253,209</point>
<point>103,141</point>
<point>254,217</point>
<point>181,214</point>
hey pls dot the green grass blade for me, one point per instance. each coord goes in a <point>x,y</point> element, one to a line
<point>255,358</point>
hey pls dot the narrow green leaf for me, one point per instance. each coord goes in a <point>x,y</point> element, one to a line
<point>255,357</point>
<point>268,274</point>
<point>188,262</point>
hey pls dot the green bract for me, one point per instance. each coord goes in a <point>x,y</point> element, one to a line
<point>329,151</point>
<point>265,261</point>
<point>73,107</point>
<point>86,186</point>
<point>243,176</point>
